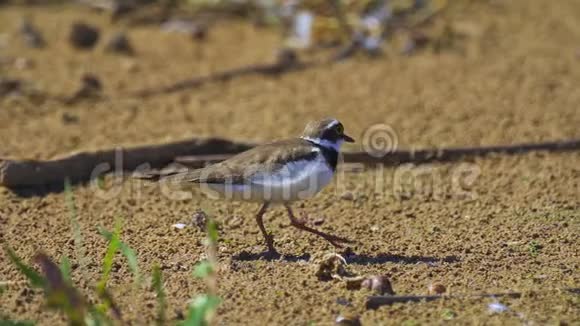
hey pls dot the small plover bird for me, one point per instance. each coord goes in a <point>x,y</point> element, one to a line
<point>280,172</point>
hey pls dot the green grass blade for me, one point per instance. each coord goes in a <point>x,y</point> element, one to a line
<point>212,231</point>
<point>65,269</point>
<point>35,278</point>
<point>102,292</point>
<point>59,293</point>
<point>201,309</point>
<point>126,251</point>
<point>8,322</point>
<point>76,228</point>
<point>160,292</point>
<point>108,260</point>
<point>203,269</point>
<point>97,318</point>
<point>109,302</point>
<point>108,235</point>
<point>132,261</point>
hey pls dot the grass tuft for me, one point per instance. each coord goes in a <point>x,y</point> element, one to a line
<point>202,308</point>
<point>160,293</point>
<point>8,322</point>
<point>534,248</point>
<point>61,294</point>
<point>102,292</point>
<point>448,314</point>
<point>76,228</point>
<point>126,251</point>
<point>203,269</point>
<point>35,279</point>
<point>65,269</point>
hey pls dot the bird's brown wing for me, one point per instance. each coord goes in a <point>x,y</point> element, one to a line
<point>240,168</point>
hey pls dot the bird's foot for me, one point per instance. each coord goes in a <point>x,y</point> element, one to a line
<point>337,241</point>
<point>271,251</point>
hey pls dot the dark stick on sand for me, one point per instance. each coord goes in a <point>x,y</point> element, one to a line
<point>374,302</point>
<point>197,153</point>
<point>81,166</point>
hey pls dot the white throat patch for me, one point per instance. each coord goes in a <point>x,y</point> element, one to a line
<point>325,143</point>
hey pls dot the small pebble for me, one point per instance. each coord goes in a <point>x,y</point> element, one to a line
<point>22,63</point>
<point>344,302</point>
<point>179,226</point>
<point>8,86</point>
<point>120,44</point>
<point>83,36</point>
<point>496,307</point>
<point>197,31</point>
<point>31,35</point>
<point>436,288</point>
<point>234,222</point>
<point>348,320</point>
<point>379,285</point>
<point>68,118</point>
<point>199,219</point>
<point>91,84</point>
<point>90,87</point>
<point>415,41</point>
<point>319,221</point>
<point>287,57</point>
<point>347,195</point>
<point>130,66</point>
<point>330,266</point>
<point>354,283</point>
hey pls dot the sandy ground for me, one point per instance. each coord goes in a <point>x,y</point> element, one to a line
<point>512,79</point>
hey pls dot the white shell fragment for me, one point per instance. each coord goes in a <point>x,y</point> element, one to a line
<point>496,308</point>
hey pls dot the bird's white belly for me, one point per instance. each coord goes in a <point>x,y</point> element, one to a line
<point>295,181</point>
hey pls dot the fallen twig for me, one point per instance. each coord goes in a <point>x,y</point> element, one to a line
<point>200,152</point>
<point>81,166</point>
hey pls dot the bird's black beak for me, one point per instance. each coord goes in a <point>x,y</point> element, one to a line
<point>347,138</point>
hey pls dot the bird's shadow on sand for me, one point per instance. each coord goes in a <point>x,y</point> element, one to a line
<point>351,258</point>
<point>253,256</point>
<point>398,259</point>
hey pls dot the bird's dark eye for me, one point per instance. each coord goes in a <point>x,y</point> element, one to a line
<point>340,129</point>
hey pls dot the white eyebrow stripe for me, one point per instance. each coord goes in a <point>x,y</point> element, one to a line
<point>332,123</point>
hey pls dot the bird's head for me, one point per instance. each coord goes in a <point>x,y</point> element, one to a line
<point>327,133</point>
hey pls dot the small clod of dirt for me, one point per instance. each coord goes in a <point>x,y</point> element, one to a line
<point>379,285</point>
<point>120,44</point>
<point>9,86</point>
<point>83,36</point>
<point>199,219</point>
<point>31,35</point>
<point>348,320</point>
<point>90,87</point>
<point>330,266</point>
<point>436,288</point>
